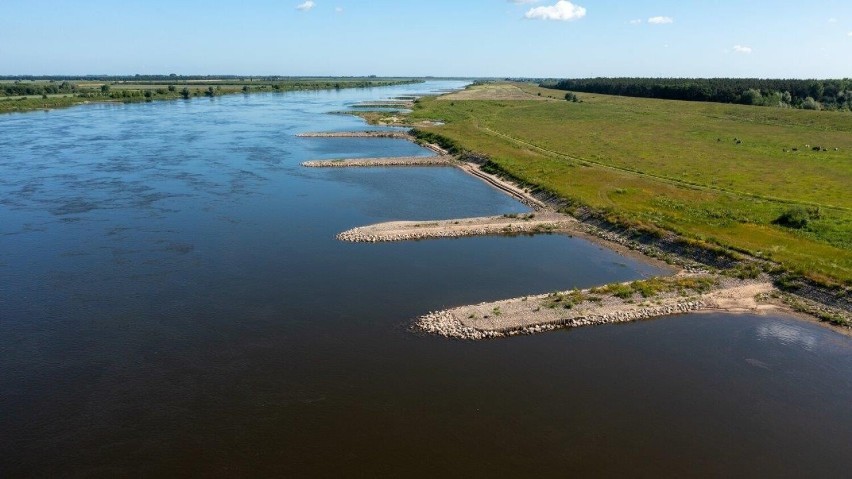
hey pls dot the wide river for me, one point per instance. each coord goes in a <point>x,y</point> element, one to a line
<point>173,302</point>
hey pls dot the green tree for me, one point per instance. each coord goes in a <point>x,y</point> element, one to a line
<point>752,97</point>
<point>811,104</point>
<point>104,89</point>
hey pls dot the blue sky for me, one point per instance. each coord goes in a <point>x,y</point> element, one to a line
<point>545,38</point>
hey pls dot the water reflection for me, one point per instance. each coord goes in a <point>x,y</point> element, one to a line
<point>789,335</point>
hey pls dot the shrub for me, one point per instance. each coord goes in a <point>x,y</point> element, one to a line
<point>797,217</point>
<point>811,104</point>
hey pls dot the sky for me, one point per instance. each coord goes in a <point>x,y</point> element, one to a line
<point>470,38</point>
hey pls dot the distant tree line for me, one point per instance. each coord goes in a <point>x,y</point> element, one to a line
<point>173,78</point>
<point>38,86</point>
<point>809,94</point>
<point>19,89</point>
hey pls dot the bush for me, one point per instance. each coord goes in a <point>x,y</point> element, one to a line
<point>811,104</point>
<point>570,96</point>
<point>797,217</point>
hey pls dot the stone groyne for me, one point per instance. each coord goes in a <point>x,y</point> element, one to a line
<point>538,313</point>
<point>492,225</point>
<point>379,162</point>
<point>402,135</point>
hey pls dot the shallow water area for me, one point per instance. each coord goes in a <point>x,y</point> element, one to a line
<point>173,301</point>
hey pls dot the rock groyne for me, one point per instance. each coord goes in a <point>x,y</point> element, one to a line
<point>379,162</point>
<point>538,313</point>
<point>402,135</point>
<point>492,225</point>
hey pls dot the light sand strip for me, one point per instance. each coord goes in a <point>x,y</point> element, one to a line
<point>379,162</point>
<point>507,187</point>
<point>533,314</point>
<point>492,225</point>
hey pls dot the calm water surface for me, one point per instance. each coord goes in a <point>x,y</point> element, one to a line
<point>173,302</point>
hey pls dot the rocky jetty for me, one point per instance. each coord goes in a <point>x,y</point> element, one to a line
<point>378,162</point>
<point>492,225</point>
<point>539,313</point>
<point>402,135</point>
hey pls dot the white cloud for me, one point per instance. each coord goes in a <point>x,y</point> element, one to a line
<point>338,9</point>
<point>660,20</point>
<point>636,21</point>
<point>832,20</point>
<point>742,49</point>
<point>309,4</point>
<point>523,2</point>
<point>563,10</point>
<point>850,34</point>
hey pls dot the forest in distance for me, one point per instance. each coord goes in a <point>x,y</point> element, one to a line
<point>811,94</point>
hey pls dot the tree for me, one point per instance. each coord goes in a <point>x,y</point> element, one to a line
<point>811,104</point>
<point>185,93</point>
<point>104,89</point>
<point>751,97</point>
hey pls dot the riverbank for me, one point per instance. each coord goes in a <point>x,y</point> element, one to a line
<point>625,160</point>
<point>551,217</point>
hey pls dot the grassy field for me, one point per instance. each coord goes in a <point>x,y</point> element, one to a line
<point>86,91</point>
<point>715,173</point>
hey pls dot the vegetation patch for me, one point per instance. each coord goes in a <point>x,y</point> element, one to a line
<point>649,288</point>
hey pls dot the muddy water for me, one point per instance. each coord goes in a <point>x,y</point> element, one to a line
<point>173,301</point>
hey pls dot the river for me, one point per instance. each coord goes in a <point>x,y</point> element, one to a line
<point>173,302</point>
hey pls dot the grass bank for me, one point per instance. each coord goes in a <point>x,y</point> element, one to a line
<point>772,183</point>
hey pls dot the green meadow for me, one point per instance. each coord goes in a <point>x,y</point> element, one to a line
<point>775,183</point>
